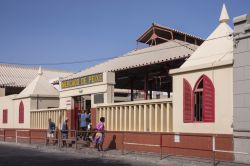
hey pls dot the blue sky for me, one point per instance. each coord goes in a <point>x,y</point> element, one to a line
<point>52,31</point>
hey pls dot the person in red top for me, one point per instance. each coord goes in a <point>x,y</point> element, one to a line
<point>99,137</point>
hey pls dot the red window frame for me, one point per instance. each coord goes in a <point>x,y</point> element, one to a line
<point>5,116</point>
<point>208,100</point>
<point>21,112</point>
<point>187,102</point>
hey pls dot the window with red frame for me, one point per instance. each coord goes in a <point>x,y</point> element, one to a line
<point>198,105</point>
<point>5,116</point>
<point>21,112</point>
<point>187,102</point>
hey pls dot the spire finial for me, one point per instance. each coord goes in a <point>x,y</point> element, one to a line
<point>224,15</point>
<point>40,72</point>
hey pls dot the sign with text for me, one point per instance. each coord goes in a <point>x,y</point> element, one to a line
<point>86,80</point>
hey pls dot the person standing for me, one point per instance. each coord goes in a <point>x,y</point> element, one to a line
<point>99,137</point>
<point>65,131</point>
<point>84,123</point>
<point>51,128</point>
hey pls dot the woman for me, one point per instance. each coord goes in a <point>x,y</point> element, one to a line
<point>99,137</point>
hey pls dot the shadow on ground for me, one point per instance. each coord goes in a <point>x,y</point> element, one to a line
<point>12,156</point>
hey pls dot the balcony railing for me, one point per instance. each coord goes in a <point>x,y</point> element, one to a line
<point>143,116</point>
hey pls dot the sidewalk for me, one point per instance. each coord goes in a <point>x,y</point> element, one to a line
<point>154,159</point>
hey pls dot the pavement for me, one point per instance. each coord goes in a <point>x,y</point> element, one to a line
<point>12,154</point>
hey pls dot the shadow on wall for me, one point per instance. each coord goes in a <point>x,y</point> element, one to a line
<point>112,144</point>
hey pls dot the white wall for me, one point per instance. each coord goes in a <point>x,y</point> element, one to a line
<point>44,102</point>
<point>2,92</point>
<point>222,79</point>
<point>27,104</point>
<point>6,102</point>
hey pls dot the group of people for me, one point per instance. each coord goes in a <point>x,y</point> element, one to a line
<point>95,135</point>
<point>92,134</point>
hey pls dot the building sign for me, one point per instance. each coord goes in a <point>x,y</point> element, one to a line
<point>86,80</point>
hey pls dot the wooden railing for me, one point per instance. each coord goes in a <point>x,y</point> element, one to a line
<point>39,118</point>
<point>143,116</point>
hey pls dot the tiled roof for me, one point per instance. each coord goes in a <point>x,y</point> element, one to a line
<point>21,76</point>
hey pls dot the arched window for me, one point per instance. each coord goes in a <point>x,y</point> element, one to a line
<point>198,105</point>
<point>204,100</point>
<point>21,112</point>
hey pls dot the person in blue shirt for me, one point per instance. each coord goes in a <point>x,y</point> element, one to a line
<point>65,131</point>
<point>84,122</point>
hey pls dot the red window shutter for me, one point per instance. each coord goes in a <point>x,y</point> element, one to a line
<point>208,100</point>
<point>187,102</point>
<point>21,112</point>
<point>5,116</point>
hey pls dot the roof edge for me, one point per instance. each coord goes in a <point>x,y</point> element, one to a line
<point>168,28</point>
<point>201,67</point>
<point>36,95</point>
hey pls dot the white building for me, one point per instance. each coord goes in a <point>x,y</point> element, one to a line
<point>15,109</point>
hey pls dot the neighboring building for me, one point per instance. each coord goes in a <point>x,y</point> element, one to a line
<point>38,94</point>
<point>241,90</point>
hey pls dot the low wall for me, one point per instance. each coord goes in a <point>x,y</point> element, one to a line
<point>195,145</point>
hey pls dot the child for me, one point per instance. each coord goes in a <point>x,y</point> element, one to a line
<point>99,137</point>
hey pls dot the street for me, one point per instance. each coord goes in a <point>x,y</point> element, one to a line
<point>33,155</point>
<point>12,156</point>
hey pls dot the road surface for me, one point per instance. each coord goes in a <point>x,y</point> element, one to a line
<point>20,156</point>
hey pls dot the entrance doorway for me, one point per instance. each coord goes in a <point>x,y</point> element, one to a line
<point>81,103</point>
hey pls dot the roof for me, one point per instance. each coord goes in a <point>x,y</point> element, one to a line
<point>171,50</point>
<point>40,86</point>
<point>217,47</point>
<point>163,32</point>
<point>21,76</point>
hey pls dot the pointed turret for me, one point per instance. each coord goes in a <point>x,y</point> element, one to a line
<point>40,86</point>
<point>224,15</point>
<point>217,47</point>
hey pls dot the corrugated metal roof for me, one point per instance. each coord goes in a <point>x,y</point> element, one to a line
<point>173,49</point>
<point>21,76</point>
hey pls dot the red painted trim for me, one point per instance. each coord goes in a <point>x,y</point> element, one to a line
<point>187,102</point>
<point>208,100</point>
<point>5,116</point>
<point>198,82</point>
<point>21,112</point>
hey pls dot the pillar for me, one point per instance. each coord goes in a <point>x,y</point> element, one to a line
<point>146,86</point>
<point>241,110</point>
